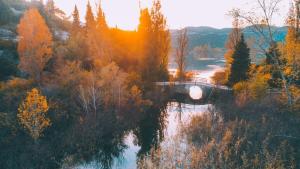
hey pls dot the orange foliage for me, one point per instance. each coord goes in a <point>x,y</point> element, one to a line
<point>35,43</point>
<point>32,112</point>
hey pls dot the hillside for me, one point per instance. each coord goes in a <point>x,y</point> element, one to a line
<point>216,38</point>
<point>207,42</point>
<point>204,42</point>
<point>10,14</point>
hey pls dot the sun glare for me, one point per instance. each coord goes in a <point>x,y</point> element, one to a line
<point>124,14</point>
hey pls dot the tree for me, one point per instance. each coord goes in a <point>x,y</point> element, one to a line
<point>181,52</point>
<point>101,24</point>
<point>155,44</point>
<point>35,45</point>
<point>144,27</point>
<point>145,34</point>
<point>55,17</point>
<point>90,38</point>
<point>76,21</point>
<point>275,81</point>
<point>219,78</point>
<point>89,18</point>
<point>32,113</point>
<point>103,38</point>
<point>233,39</point>
<point>261,22</point>
<point>292,46</point>
<point>241,63</point>
<point>161,40</point>
<point>290,52</point>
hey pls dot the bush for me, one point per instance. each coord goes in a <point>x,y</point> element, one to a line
<point>254,89</point>
<point>220,78</point>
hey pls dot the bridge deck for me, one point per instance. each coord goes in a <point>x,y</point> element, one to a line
<point>195,83</point>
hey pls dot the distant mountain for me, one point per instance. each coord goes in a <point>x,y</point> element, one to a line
<point>210,42</point>
<point>216,38</point>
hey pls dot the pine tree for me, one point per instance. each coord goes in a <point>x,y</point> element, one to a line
<point>232,41</point>
<point>90,39</point>
<point>241,63</point>
<point>89,18</point>
<point>101,21</point>
<point>76,43</point>
<point>76,20</point>
<point>35,45</point>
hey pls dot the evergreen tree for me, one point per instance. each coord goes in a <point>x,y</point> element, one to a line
<point>77,48</point>
<point>101,21</point>
<point>76,21</point>
<point>241,63</point>
<point>90,39</point>
<point>89,18</point>
<point>233,39</point>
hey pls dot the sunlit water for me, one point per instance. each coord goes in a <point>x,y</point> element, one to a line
<point>178,115</point>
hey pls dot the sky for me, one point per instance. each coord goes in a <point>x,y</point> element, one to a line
<point>179,13</point>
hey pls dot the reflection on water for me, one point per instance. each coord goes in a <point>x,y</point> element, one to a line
<point>110,139</point>
<point>177,115</point>
<point>160,126</point>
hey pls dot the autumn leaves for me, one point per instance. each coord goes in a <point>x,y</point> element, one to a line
<point>35,44</point>
<point>32,113</point>
<point>34,50</point>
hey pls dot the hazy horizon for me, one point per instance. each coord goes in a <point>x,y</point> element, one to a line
<point>179,14</point>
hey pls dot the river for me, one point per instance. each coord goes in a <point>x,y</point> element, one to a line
<point>177,115</point>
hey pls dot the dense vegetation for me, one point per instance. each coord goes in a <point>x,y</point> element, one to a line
<point>68,100</point>
<point>258,127</point>
<point>70,92</point>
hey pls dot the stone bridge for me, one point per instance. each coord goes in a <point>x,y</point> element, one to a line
<point>193,91</point>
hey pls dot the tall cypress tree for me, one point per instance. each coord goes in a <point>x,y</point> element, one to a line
<point>241,63</point>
